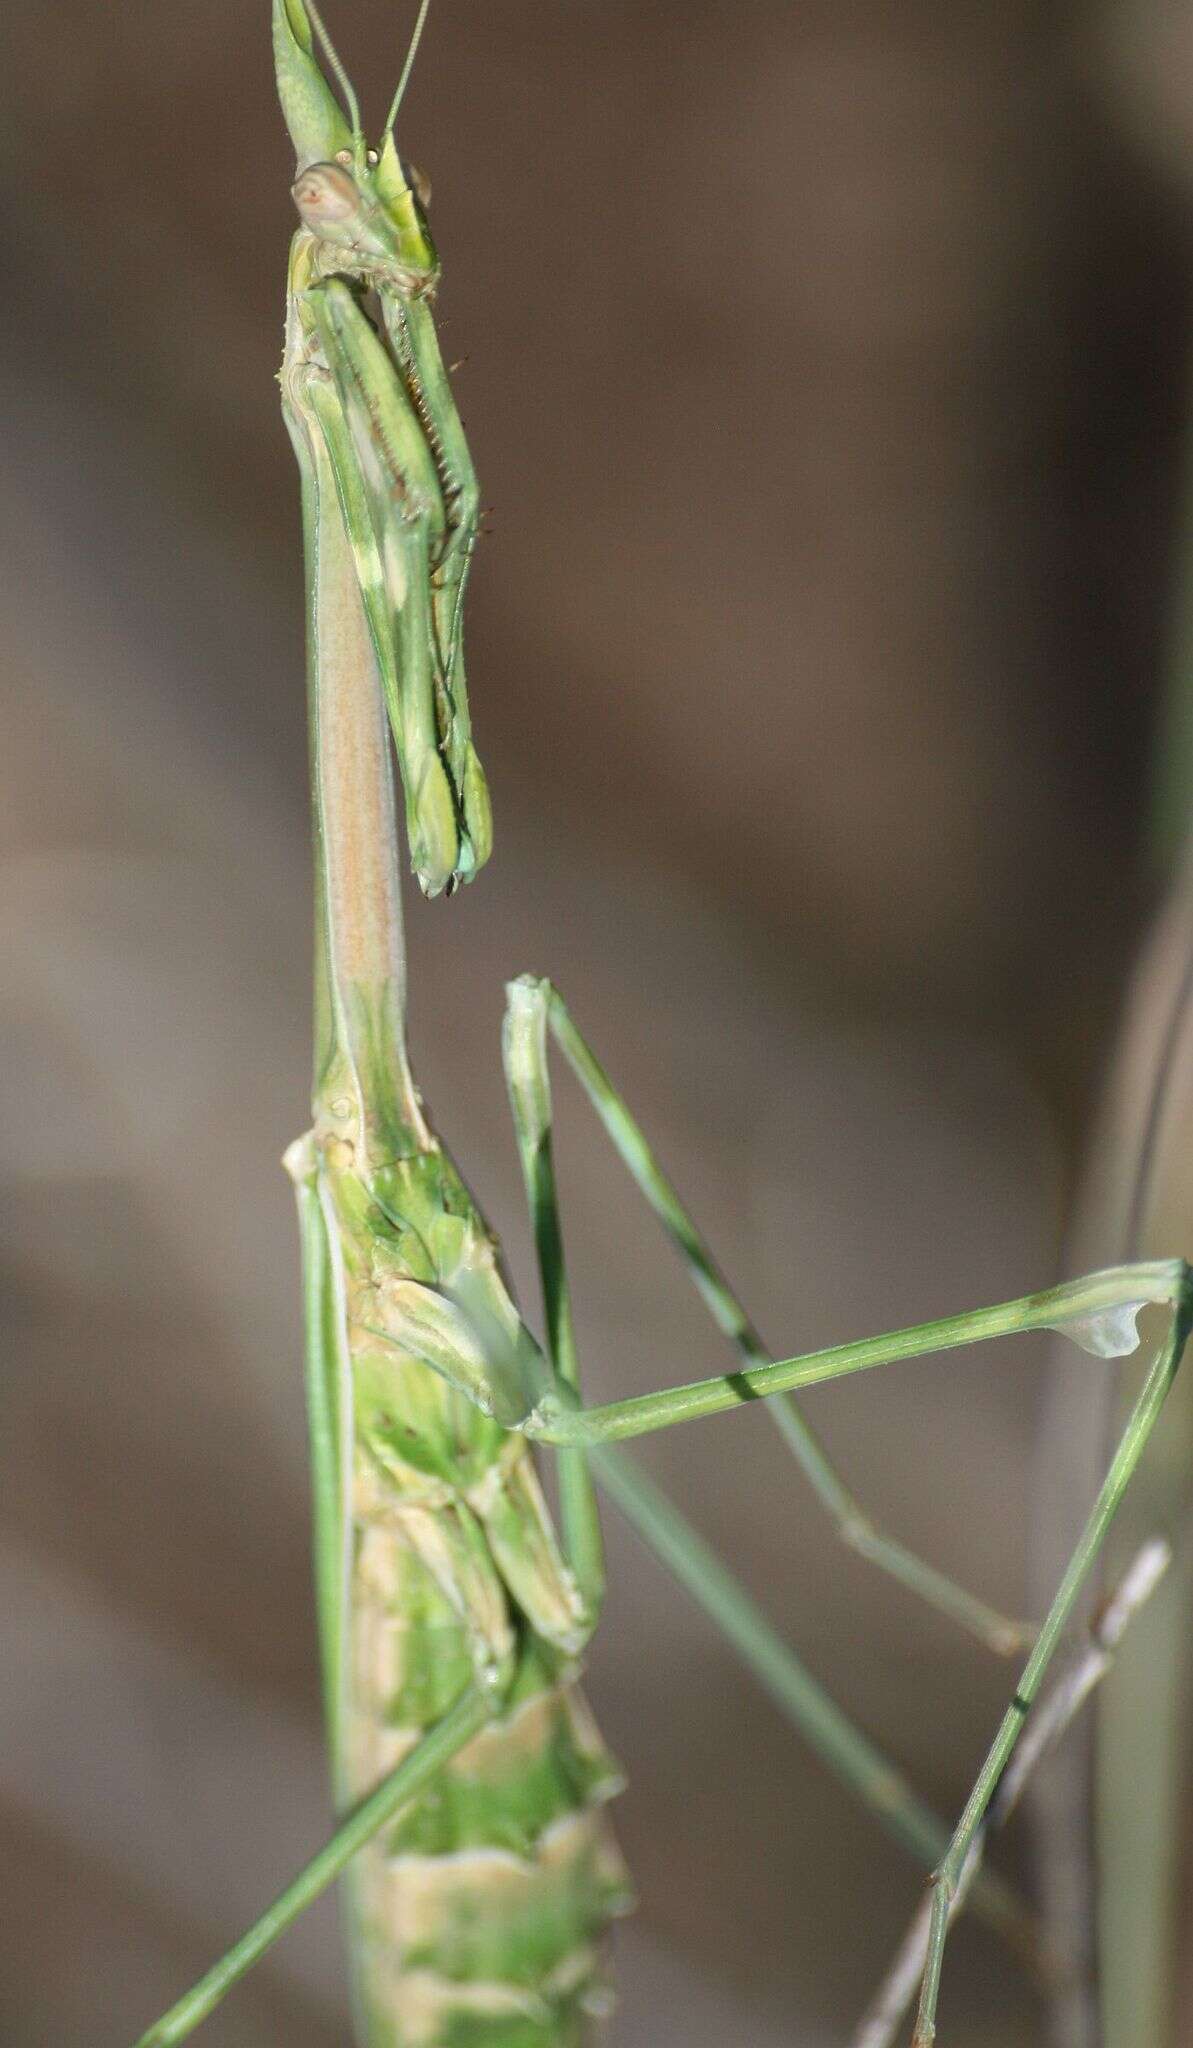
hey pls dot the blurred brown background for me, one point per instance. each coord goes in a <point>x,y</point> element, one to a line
<point>826,371</point>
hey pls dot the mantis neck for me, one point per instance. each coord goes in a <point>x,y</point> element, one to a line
<point>364,1090</point>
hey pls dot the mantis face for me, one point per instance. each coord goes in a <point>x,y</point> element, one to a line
<point>366,200</point>
<point>374,215</point>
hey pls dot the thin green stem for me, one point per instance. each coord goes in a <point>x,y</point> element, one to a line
<point>435,1750</point>
<point>1139,1427</point>
<point>1083,1309</point>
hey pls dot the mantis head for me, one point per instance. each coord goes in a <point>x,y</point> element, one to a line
<point>341,182</point>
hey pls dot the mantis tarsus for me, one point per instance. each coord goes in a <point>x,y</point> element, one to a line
<point>468,1775</point>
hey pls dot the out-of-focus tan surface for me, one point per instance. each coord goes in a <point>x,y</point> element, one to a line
<point>825,371</point>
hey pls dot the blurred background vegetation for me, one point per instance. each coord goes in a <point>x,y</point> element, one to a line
<point>826,370</point>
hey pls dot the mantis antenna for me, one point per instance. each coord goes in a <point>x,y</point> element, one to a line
<point>407,68</point>
<point>351,103</point>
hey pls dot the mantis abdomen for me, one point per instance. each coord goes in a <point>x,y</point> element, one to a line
<point>479,1915</point>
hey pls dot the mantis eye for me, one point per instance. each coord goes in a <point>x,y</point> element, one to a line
<point>421,184</point>
<point>325,195</point>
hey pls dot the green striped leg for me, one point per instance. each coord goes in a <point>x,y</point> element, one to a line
<point>534,1007</point>
<point>1140,1424</point>
<point>876,1782</point>
<point>1098,1313</point>
<point>415,1771</point>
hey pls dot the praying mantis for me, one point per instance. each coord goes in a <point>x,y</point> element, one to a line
<point>469,1778</point>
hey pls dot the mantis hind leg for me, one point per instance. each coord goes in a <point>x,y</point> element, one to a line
<point>534,1007</point>
<point>1142,1420</point>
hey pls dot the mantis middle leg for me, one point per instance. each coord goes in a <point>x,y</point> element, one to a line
<point>535,1007</point>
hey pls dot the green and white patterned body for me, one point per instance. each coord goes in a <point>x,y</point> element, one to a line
<point>470,1780</point>
<point>478,1914</point>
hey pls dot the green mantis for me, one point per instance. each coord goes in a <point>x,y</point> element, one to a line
<point>469,1778</point>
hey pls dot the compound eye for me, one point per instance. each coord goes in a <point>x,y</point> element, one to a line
<point>325,195</point>
<point>421,184</point>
